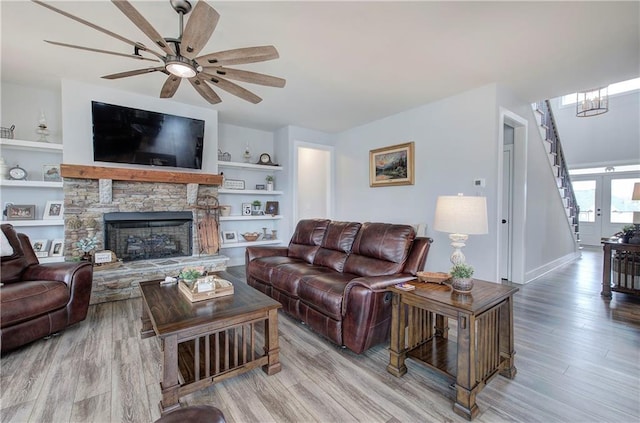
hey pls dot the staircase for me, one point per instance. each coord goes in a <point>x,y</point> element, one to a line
<point>551,140</point>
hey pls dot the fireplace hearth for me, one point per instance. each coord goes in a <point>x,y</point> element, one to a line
<point>149,235</point>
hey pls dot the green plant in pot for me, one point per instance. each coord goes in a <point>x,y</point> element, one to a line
<point>461,281</point>
<point>256,205</point>
<point>190,274</point>
<point>627,233</point>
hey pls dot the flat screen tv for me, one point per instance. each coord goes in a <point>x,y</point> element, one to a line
<point>125,135</point>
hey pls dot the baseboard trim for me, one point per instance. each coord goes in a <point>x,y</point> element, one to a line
<point>534,274</point>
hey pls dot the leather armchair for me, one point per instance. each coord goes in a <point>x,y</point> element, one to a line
<point>37,300</point>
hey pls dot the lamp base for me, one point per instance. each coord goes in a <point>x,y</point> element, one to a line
<point>458,243</point>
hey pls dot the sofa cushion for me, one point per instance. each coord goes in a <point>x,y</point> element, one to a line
<point>25,300</point>
<point>261,268</point>
<point>324,292</point>
<point>287,277</point>
<point>307,238</point>
<point>336,245</point>
<point>380,249</point>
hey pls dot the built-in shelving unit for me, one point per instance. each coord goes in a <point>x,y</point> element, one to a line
<point>32,156</point>
<point>236,197</point>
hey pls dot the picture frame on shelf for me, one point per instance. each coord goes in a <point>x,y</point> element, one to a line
<point>233,184</point>
<point>51,173</point>
<point>57,248</point>
<point>260,187</point>
<point>40,247</point>
<point>21,212</point>
<point>229,237</point>
<point>393,165</point>
<point>272,208</point>
<point>53,210</point>
<point>246,209</point>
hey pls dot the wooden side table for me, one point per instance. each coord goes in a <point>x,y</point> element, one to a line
<point>624,260</point>
<point>484,345</point>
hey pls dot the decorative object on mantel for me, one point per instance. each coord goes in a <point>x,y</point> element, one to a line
<point>7,132</point>
<point>179,56</point>
<point>592,102</point>
<point>42,128</point>
<point>390,166</point>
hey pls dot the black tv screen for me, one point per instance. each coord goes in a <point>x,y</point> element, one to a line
<point>125,135</point>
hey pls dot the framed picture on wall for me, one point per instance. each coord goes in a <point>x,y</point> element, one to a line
<point>393,165</point>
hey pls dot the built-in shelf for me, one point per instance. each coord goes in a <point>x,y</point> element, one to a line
<point>239,217</point>
<point>50,259</point>
<point>250,166</point>
<point>30,184</point>
<point>30,145</point>
<point>24,223</point>
<point>248,244</point>
<point>249,191</point>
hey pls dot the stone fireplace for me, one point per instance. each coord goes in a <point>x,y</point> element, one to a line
<point>97,197</point>
<point>148,235</point>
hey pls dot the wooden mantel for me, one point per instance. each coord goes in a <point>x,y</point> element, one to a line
<point>138,175</point>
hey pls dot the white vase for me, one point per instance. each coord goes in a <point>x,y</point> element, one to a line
<point>269,186</point>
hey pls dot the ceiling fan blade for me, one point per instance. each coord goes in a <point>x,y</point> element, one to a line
<point>170,86</point>
<point>200,26</point>
<point>115,53</point>
<point>144,25</point>
<point>231,88</point>
<point>239,56</point>
<point>205,91</point>
<point>98,28</point>
<point>246,76</point>
<point>134,73</point>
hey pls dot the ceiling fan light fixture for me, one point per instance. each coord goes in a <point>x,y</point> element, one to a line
<point>180,66</point>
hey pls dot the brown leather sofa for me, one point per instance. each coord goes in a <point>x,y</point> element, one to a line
<point>37,300</point>
<point>334,276</point>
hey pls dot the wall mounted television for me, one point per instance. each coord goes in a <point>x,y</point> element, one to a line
<point>126,135</point>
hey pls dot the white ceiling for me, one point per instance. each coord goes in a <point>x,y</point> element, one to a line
<point>346,63</point>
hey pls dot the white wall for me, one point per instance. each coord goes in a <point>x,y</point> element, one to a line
<point>22,105</point>
<point>608,139</point>
<point>455,143</point>
<point>78,134</point>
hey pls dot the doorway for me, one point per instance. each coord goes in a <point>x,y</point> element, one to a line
<point>313,182</point>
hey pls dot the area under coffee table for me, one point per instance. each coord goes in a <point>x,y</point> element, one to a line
<point>209,341</point>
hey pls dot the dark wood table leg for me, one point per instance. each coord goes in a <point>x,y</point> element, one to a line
<point>505,341</point>
<point>272,348</point>
<point>170,383</point>
<point>606,272</point>
<point>397,350</point>
<point>147,327</point>
<point>466,385</point>
<point>442,326</point>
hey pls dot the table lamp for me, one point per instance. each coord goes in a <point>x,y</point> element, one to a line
<point>460,216</point>
<point>636,215</point>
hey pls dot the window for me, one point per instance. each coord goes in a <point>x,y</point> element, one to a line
<point>622,207</point>
<point>585,192</point>
<point>617,88</point>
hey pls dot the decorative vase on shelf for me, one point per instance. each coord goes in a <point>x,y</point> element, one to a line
<point>247,154</point>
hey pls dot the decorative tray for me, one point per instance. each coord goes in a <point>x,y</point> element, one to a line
<point>222,288</point>
<point>433,277</point>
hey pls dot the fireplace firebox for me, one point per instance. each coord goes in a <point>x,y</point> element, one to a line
<point>148,235</point>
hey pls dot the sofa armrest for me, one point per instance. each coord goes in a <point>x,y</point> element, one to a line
<point>375,284</point>
<point>62,272</point>
<point>253,253</point>
<point>77,276</point>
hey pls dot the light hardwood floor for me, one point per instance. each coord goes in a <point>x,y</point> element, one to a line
<point>578,360</point>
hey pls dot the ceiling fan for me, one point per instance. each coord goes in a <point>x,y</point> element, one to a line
<point>179,56</point>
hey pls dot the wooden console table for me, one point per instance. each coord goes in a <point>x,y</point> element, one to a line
<point>484,344</point>
<point>620,271</point>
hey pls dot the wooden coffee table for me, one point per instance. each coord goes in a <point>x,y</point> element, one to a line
<point>208,341</point>
<point>484,346</point>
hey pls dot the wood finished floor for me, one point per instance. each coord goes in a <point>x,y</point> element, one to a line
<point>578,360</point>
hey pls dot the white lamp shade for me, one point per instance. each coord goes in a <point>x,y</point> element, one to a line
<point>457,214</point>
<point>636,191</point>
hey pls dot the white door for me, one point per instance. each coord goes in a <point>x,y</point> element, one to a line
<point>588,192</point>
<point>505,225</point>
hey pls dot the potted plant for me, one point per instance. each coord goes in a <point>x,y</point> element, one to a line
<point>269,180</point>
<point>190,275</point>
<point>627,233</point>
<point>87,245</point>
<point>256,204</point>
<point>461,281</point>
